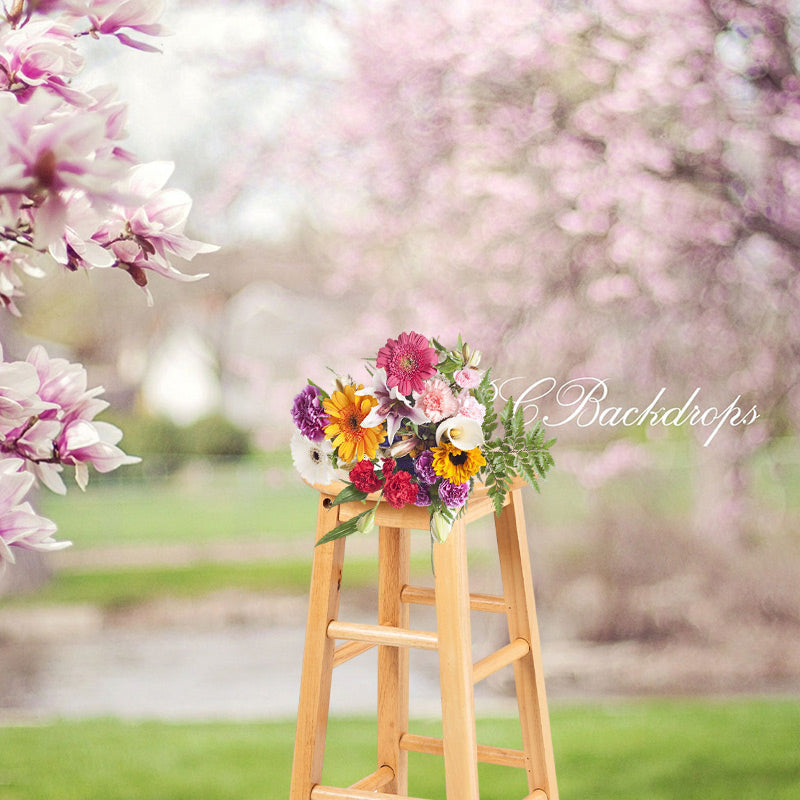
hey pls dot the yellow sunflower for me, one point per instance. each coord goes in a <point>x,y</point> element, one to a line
<point>346,411</point>
<point>456,466</point>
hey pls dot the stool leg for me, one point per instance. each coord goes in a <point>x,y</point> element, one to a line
<point>315,681</point>
<point>515,568</point>
<point>455,666</point>
<point>393,561</point>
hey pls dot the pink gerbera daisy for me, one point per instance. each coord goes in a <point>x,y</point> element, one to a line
<point>408,361</point>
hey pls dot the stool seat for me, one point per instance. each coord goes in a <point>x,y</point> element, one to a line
<point>452,640</point>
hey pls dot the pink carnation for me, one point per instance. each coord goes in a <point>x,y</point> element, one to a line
<point>437,400</point>
<point>469,407</point>
<point>467,378</point>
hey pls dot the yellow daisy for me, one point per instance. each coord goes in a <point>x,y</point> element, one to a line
<point>346,411</point>
<point>456,466</point>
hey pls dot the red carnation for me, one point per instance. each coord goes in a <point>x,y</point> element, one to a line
<point>399,489</point>
<point>364,478</point>
<point>387,468</point>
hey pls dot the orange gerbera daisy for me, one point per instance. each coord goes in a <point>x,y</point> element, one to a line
<point>346,410</point>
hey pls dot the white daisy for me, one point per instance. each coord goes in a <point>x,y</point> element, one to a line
<point>313,459</point>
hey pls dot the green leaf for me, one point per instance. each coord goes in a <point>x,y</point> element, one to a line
<point>449,365</point>
<point>344,529</point>
<point>348,495</point>
<point>322,392</point>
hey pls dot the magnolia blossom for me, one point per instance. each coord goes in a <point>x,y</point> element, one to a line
<point>18,398</point>
<point>53,155</point>
<point>144,236</point>
<point>63,385</point>
<point>11,264</point>
<point>82,443</point>
<point>80,440</point>
<point>41,53</point>
<point>68,188</point>
<point>66,185</point>
<point>111,16</point>
<point>47,420</point>
<point>76,248</point>
<point>20,526</point>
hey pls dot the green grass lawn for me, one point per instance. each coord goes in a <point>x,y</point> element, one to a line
<point>126,586</point>
<point>627,751</point>
<point>208,503</point>
<point>211,502</point>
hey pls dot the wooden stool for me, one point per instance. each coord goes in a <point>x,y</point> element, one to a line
<point>453,641</point>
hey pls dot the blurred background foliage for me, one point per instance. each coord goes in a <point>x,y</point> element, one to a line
<point>607,189</point>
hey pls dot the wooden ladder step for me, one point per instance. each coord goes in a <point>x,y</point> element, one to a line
<point>537,794</point>
<point>344,652</point>
<point>489,755</point>
<point>320,792</point>
<point>477,602</point>
<point>375,780</point>
<point>513,651</point>
<point>382,634</point>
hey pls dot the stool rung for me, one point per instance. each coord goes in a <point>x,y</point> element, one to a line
<point>376,780</point>
<point>344,652</point>
<point>320,792</point>
<point>477,602</point>
<point>382,634</point>
<point>513,651</point>
<point>487,754</point>
<point>537,794</point>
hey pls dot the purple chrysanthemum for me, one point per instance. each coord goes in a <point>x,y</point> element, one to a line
<point>423,498</point>
<point>423,466</point>
<point>453,495</point>
<point>309,415</point>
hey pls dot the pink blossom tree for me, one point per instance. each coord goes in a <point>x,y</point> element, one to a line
<point>607,189</point>
<point>69,191</point>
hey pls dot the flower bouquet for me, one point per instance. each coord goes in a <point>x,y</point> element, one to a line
<point>421,433</point>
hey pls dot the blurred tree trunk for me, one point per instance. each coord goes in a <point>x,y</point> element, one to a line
<point>722,497</point>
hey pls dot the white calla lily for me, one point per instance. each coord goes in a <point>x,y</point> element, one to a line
<point>462,432</point>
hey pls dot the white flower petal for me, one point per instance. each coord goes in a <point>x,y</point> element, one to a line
<point>463,432</point>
